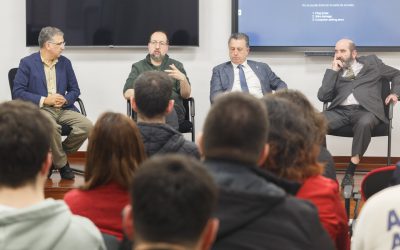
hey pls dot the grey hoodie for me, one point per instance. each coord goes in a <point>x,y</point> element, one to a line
<point>47,225</point>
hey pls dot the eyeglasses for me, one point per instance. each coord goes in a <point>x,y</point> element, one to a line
<point>161,43</point>
<point>58,44</point>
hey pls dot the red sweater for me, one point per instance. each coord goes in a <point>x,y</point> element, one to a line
<point>102,205</point>
<point>324,194</point>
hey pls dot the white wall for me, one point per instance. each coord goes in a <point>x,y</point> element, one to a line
<point>102,72</point>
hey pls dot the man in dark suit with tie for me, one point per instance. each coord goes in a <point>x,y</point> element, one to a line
<point>46,78</point>
<point>353,86</point>
<point>240,74</point>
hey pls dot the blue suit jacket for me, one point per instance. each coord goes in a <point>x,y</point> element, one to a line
<point>223,77</point>
<point>30,81</point>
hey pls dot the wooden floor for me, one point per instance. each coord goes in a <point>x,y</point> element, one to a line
<point>56,187</point>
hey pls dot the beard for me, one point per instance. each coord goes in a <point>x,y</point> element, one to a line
<point>157,58</point>
<point>347,62</point>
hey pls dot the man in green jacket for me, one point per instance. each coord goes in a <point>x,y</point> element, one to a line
<point>157,59</point>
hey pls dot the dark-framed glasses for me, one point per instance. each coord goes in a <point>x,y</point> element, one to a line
<point>58,44</point>
<point>161,43</point>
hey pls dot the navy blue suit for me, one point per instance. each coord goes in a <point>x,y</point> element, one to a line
<point>30,80</point>
<point>30,85</point>
<point>223,77</point>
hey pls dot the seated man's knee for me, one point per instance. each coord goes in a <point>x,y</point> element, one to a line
<point>367,121</point>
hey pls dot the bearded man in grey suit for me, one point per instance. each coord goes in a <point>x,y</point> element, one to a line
<point>240,74</point>
<point>353,86</point>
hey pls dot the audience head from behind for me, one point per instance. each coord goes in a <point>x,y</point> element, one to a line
<point>114,151</point>
<point>152,100</point>
<point>173,198</point>
<point>25,160</point>
<point>236,128</point>
<point>308,111</point>
<point>25,156</point>
<point>293,152</point>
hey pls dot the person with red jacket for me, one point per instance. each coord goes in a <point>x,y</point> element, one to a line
<point>295,141</point>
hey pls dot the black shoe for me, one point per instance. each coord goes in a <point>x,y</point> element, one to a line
<point>66,172</point>
<point>348,180</point>
<point>51,171</point>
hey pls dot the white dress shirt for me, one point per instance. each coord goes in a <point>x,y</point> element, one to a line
<point>251,78</point>
<point>351,100</point>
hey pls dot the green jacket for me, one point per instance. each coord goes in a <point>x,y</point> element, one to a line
<point>145,65</point>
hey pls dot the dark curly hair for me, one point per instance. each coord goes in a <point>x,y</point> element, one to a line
<point>293,151</point>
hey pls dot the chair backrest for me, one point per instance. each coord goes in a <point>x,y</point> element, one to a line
<point>11,75</point>
<point>376,180</point>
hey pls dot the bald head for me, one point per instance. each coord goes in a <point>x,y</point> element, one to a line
<point>346,43</point>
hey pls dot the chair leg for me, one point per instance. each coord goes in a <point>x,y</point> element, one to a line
<point>389,143</point>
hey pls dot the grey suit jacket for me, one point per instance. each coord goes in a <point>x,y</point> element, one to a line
<point>366,86</point>
<point>223,77</point>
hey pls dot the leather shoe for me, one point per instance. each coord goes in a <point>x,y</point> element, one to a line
<point>348,180</point>
<point>51,171</point>
<point>66,172</point>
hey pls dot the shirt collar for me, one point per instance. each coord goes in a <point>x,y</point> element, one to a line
<point>244,64</point>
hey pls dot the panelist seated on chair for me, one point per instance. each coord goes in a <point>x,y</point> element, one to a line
<point>157,59</point>
<point>353,86</point>
<point>240,74</point>
<point>47,79</point>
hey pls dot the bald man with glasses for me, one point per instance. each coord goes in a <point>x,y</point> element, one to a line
<point>47,79</point>
<point>158,59</point>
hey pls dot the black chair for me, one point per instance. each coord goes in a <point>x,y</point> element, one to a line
<point>189,122</point>
<point>382,129</point>
<point>65,129</point>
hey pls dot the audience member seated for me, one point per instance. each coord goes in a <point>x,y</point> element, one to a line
<point>254,212</point>
<point>173,198</point>
<point>47,79</point>
<point>293,156</point>
<point>152,102</point>
<point>240,74</point>
<point>27,219</point>
<point>114,153</point>
<point>378,226</point>
<point>317,120</point>
<point>158,60</point>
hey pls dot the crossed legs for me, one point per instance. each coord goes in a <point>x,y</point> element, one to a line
<point>362,121</point>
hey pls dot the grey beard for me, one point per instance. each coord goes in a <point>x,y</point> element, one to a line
<point>347,63</point>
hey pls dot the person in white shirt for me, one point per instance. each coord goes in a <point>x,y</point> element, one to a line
<point>240,74</point>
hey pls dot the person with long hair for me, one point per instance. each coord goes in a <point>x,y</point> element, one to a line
<point>294,149</point>
<point>318,121</point>
<point>114,152</point>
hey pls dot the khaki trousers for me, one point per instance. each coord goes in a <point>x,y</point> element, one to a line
<point>80,125</point>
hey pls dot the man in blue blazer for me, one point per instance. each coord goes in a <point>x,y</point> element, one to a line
<point>241,74</point>
<point>47,79</point>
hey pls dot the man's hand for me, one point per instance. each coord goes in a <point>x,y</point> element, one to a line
<point>337,65</point>
<point>55,100</point>
<point>175,73</point>
<point>391,97</point>
<point>60,101</point>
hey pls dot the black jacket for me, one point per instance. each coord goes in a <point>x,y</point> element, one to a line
<point>255,213</point>
<point>162,138</point>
